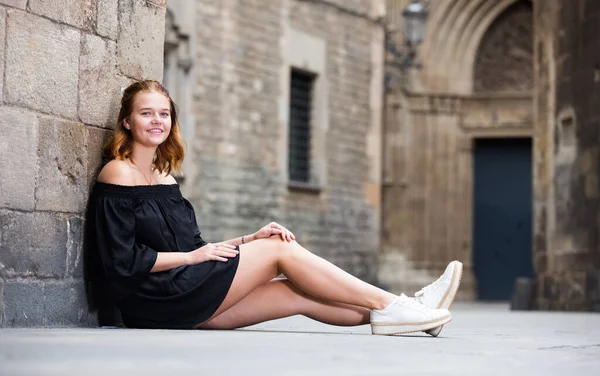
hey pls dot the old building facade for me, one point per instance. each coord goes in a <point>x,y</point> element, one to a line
<point>473,93</point>
<point>247,56</point>
<point>490,151</point>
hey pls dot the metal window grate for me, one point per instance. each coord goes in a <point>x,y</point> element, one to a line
<point>301,89</point>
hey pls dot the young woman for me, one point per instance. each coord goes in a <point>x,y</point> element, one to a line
<point>161,274</point>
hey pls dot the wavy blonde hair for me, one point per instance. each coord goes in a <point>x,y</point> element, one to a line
<point>169,154</point>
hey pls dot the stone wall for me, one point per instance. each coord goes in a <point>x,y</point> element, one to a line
<point>567,99</point>
<point>62,65</point>
<point>239,182</point>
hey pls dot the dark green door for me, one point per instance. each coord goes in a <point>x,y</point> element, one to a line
<point>502,219</point>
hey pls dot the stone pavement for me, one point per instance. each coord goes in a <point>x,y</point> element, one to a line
<point>482,339</point>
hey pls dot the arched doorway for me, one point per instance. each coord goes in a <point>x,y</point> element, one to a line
<point>502,165</point>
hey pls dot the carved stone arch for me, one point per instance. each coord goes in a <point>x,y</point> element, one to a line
<point>454,33</point>
<point>504,57</point>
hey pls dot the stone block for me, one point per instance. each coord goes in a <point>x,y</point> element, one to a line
<point>2,45</point>
<point>33,244</point>
<point>21,4</point>
<point>141,42</point>
<point>61,181</point>
<point>81,14</point>
<point>74,247</point>
<point>160,3</point>
<point>65,304</point>
<point>95,139</point>
<point>107,23</point>
<point>42,64</point>
<point>2,303</point>
<point>23,303</point>
<point>18,158</point>
<point>100,85</point>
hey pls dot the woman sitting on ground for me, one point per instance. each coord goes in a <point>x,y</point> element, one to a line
<point>162,274</point>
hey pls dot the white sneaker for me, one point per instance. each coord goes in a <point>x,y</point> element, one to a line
<point>441,293</point>
<point>406,315</point>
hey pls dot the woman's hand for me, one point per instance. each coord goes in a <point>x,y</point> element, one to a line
<point>274,228</point>
<point>212,252</point>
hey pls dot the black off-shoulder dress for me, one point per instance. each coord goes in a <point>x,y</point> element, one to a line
<point>131,225</point>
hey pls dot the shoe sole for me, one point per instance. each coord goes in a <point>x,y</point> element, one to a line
<point>388,328</point>
<point>449,296</point>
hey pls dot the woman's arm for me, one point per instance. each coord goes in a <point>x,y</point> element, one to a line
<point>238,241</point>
<point>209,252</point>
<point>269,230</point>
<point>170,260</point>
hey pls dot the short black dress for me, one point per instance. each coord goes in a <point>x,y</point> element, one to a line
<point>132,224</point>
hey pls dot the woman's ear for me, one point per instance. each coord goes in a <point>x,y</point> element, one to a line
<point>126,125</point>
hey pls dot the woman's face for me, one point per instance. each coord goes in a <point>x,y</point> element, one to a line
<point>150,119</point>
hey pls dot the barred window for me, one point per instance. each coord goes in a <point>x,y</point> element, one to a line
<point>301,93</point>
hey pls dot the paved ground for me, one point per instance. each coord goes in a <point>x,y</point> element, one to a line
<point>481,340</point>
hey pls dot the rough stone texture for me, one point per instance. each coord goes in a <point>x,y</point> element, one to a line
<point>15,3</point>
<point>18,157</point>
<point>24,303</point>
<point>74,247</point>
<point>160,3</point>
<point>95,139</point>
<point>108,18</point>
<point>2,323</point>
<point>566,169</point>
<point>504,62</point>
<point>62,181</point>
<point>2,46</point>
<point>65,304</point>
<point>140,47</point>
<point>42,60</point>
<point>33,244</point>
<point>239,185</point>
<point>81,13</point>
<point>100,85</point>
<point>362,7</point>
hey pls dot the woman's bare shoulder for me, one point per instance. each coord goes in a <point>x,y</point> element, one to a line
<point>116,172</point>
<point>167,179</point>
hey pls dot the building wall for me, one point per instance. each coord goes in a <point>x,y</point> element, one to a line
<point>238,176</point>
<point>475,81</point>
<point>61,70</point>
<point>567,99</point>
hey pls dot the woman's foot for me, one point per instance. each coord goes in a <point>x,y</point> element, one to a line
<point>441,293</point>
<point>406,315</point>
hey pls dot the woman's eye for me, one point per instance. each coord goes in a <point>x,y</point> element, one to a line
<point>165,114</point>
<point>145,113</point>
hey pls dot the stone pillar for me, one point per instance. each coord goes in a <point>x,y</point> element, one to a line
<point>567,87</point>
<point>62,66</point>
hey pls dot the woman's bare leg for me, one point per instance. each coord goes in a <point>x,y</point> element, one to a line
<point>264,259</point>
<point>280,298</point>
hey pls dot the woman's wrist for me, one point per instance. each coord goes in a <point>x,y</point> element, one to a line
<point>187,258</point>
<point>248,238</point>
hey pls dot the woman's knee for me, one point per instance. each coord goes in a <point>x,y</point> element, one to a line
<point>278,246</point>
<point>273,249</point>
